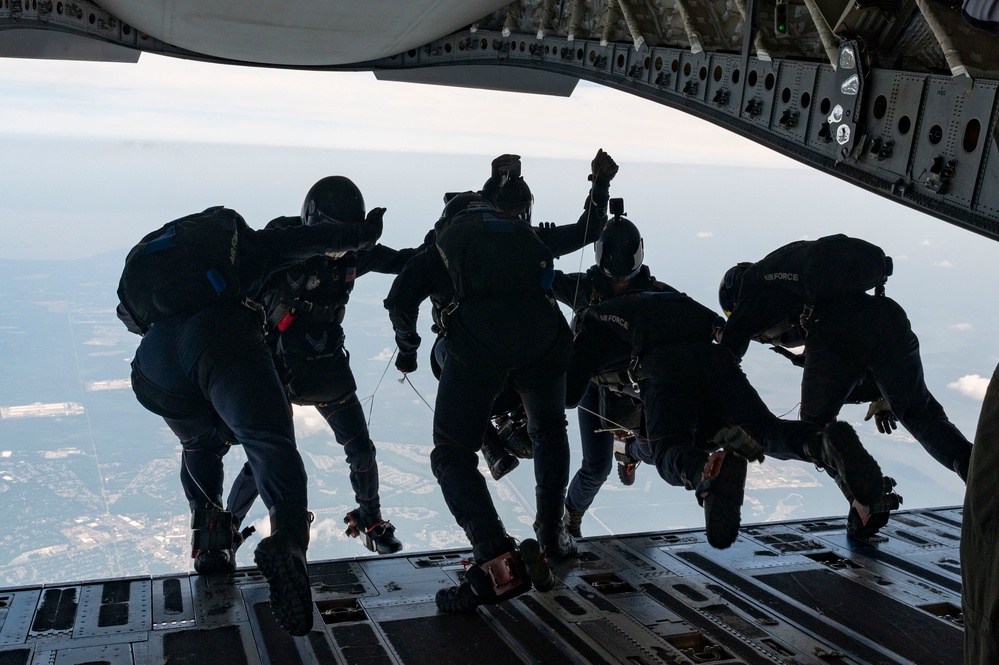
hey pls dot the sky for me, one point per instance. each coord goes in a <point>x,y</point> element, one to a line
<point>254,139</point>
<point>167,99</point>
<point>132,109</point>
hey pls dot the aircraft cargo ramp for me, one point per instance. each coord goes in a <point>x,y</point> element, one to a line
<point>787,592</point>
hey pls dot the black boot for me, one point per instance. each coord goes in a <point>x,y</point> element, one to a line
<point>379,534</point>
<point>500,577</point>
<point>626,465</point>
<point>282,561</point>
<point>720,491</point>
<point>556,542</point>
<point>574,522</point>
<point>212,541</point>
<point>499,460</point>
<point>864,522</point>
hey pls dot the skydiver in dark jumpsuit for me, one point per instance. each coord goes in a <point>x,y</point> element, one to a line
<point>426,277</point>
<point>619,269</point>
<point>505,331</point>
<point>305,306</point>
<point>541,385</point>
<point>211,376</point>
<point>679,370</point>
<point>847,338</point>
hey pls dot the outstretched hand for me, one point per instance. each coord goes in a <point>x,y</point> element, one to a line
<point>797,359</point>
<point>373,226</point>
<point>883,416</point>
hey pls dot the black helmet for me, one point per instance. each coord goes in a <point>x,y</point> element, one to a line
<point>513,197</point>
<point>464,202</point>
<point>334,197</point>
<point>728,290</point>
<point>620,249</point>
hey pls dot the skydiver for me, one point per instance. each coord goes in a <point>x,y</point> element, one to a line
<point>845,338</point>
<point>680,371</point>
<point>503,331</point>
<point>606,414</point>
<point>305,306</point>
<point>425,276</point>
<point>207,370</point>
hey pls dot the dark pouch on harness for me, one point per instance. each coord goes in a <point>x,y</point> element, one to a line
<point>317,365</point>
<point>619,411</point>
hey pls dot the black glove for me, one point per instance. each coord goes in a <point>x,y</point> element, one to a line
<point>797,359</point>
<point>603,167</point>
<point>371,228</point>
<point>881,411</point>
<point>409,344</point>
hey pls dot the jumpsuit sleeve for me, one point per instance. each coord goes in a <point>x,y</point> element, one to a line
<point>269,250</point>
<point>571,289</point>
<point>416,282</point>
<point>568,238</point>
<point>384,259</point>
<point>754,314</point>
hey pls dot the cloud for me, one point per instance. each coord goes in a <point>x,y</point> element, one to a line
<point>962,326</point>
<point>704,234</point>
<point>384,355</point>
<point>308,421</point>
<point>971,385</point>
<point>327,530</point>
<point>943,264</point>
<point>925,243</point>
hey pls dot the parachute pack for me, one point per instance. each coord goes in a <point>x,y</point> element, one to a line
<point>824,269</point>
<point>489,255</point>
<point>189,263</point>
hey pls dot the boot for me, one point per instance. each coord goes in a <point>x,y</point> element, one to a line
<point>574,522</point>
<point>499,460</point>
<point>208,562</point>
<point>379,534</point>
<point>626,465</point>
<point>720,492</point>
<point>282,562</point>
<point>840,450</point>
<point>503,576</point>
<point>556,543</point>
<point>213,545</point>
<point>864,522</point>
